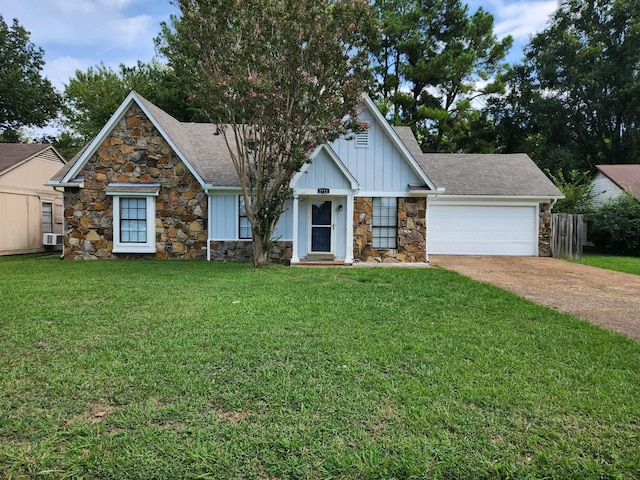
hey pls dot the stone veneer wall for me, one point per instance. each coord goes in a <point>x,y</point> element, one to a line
<point>242,251</point>
<point>135,152</point>
<point>412,229</point>
<point>544,231</point>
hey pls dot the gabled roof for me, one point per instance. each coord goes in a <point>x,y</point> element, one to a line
<point>402,146</point>
<point>14,154</point>
<point>171,130</point>
<point>500,175</point>
<point>337,162</point>
<point>625,176</point>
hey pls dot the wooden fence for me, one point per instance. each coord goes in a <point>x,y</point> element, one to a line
<point>566,235</point>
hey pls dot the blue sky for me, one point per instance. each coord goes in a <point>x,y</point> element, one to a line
<point>78,34</point>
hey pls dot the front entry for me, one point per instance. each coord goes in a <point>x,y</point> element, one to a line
<point>321,227</point>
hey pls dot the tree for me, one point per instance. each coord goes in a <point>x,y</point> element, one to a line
<point>92,96</point>
<point>26,98</point>
<point>279,78</point>
<point>615,226</point>
<point>577,90</point>
<point>433,60</point>
<point>577,188</point>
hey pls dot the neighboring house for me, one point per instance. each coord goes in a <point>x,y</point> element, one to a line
<point>151,185</point>
<point>611,181</point>
<point>29,210</point>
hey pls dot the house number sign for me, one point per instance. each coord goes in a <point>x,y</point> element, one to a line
<point>323,191</point>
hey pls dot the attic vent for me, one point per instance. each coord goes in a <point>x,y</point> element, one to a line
<point>362,139</point>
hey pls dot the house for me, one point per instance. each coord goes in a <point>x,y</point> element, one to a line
<point>30,214</point>
<point>151,185</point>
<point>610,181</point>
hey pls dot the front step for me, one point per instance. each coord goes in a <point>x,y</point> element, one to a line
<point>321,262</point>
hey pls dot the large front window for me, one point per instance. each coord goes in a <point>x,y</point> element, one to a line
<point>385,222</point>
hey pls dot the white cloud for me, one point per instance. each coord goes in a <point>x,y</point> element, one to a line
<point>521,20</point>
<point>77,34</point>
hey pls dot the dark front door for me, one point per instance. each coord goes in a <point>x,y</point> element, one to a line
<point>321,226</point>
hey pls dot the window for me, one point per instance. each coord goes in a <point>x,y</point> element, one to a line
<point>133,220</point>
<point>134,217</point>
<point>244,226</point>
<point>385,222</point>
<point>47,218</point>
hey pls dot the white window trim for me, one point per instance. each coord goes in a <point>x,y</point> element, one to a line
<point>125,247</point>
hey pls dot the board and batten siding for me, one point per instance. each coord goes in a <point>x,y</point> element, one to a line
<point>224,219</point>
<point>604,189</point>
<point>379,167</point>
<point>322,173</point>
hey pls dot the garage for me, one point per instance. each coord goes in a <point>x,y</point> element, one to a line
<point>472,229</point>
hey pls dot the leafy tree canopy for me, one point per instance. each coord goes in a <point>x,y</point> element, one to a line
<point>26,98</point>
<point>575,99</point>
<point>432,60</point>
<point>285,75</point>
<point>92,96</point>
<point>577,188</point>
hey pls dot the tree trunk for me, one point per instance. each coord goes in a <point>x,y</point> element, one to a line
<point>260,249</point>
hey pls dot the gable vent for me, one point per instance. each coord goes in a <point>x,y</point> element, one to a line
<point>362,139</point>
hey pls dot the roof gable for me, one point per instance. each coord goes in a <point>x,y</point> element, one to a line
<point>402,148</point>
<point>625,176</point>
<point>324,163</point>
<point>169,128</point>
<point>14,154</point>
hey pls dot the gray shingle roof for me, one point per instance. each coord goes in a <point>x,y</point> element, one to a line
<point>13,153</point>
<point>481,174</point>
<point>460,174</point>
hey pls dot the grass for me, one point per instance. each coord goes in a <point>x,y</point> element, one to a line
<point>145,369</point>
<point>612,262</point>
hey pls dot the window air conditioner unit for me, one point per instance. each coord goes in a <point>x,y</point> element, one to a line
<point>52,239</point>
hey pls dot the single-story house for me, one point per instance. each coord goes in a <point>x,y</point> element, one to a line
<point>30,214</point>
<point>151,185</point>
<point>611,181</point>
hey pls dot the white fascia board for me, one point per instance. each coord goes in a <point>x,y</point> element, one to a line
<point>65,184</point>
<point>494,198</point>
<point>489,200</point>
<point>396,140</point>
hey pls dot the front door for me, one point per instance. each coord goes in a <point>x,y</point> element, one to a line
<point>321,226</point>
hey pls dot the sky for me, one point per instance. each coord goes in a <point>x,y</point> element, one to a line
<point>78,34</point>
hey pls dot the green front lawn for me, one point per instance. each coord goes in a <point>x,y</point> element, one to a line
<point>145,369</point>
<point>612,262</point>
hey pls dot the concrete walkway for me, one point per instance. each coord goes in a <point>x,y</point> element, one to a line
<point>604,297</point>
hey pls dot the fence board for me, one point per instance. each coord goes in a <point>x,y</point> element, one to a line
<point>566,235</point>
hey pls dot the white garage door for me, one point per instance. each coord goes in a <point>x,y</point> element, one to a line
<point>482,230</point>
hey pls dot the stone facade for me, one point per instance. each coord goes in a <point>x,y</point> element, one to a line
<point>412,230</point>
<point>544,231</point>
<point>135,152</point>
<point>242,251</point>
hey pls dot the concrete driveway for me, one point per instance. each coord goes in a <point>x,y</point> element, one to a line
<point>604,297</point>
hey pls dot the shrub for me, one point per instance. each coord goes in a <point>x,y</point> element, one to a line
<point>616,226</point>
